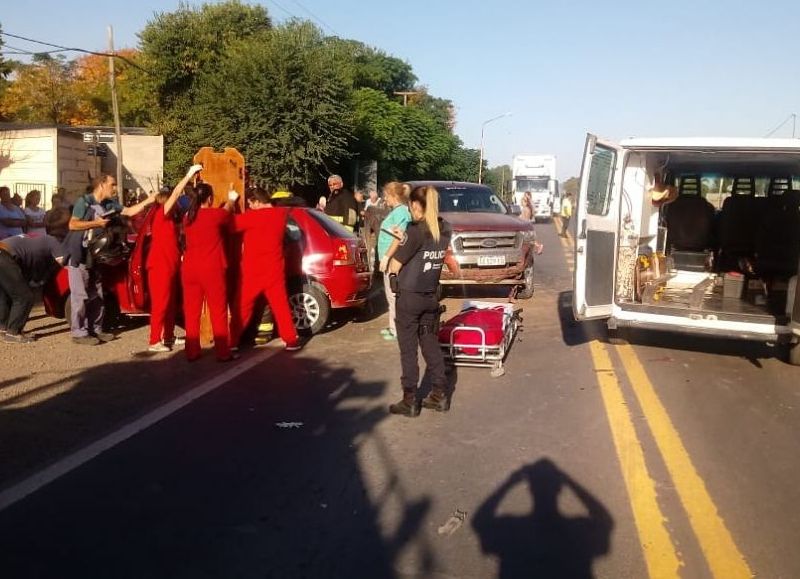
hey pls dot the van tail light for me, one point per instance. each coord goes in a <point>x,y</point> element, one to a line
<point>343,254</point>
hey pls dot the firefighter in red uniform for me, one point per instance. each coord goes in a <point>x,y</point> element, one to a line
<point>163,261</point>
<point>263,267</point>
<point>204,267</point>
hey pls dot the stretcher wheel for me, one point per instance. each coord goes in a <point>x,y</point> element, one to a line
<point>498,370</point>
<point>793,354</point>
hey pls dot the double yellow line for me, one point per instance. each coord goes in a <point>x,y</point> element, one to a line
<point>724,559</point>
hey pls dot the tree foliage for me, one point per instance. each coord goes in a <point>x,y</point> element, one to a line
<point>178,49</point>
<point>291,117</point>
<point>571,186</point>
<point>42,92</point>
<point>498,179</point>
<point>6,67</point>
<point>90,85</point>
<point>373,68</point>
<point>298,105</point>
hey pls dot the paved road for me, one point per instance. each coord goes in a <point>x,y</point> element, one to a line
<point>668,458</point>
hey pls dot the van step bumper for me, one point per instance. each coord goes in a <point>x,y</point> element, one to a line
<point>778,338</point>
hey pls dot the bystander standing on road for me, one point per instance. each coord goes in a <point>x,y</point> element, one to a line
<point>372,201</point>
<point>418,265</point>
<point>341,205</point>
<point>12,217</point>
<point>34,214</point>
<point>527,215</point>
<point>263,267</point>
<point>85,283</point>
<point>396,196</point>
<point>203,274</point>
<point>566,213</point>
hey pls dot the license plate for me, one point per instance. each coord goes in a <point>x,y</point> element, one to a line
<point>491,260</point>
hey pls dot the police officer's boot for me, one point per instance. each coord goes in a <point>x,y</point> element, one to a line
<point>437,400</point>
<point>407,406</point>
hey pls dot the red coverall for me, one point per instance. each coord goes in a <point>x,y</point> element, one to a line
<point>163,261</point>
<point>263,270</point>
<point>203,275</point>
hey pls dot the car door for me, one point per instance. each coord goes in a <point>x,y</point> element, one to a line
<point>596,214</point>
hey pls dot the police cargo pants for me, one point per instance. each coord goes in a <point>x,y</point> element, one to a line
<point>417,326</point>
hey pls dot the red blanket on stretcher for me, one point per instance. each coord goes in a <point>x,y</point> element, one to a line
<point>490,320</point>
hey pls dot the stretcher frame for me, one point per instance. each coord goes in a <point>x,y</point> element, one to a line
<point>488,355</point>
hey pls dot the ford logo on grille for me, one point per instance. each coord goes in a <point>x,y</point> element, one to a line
<point>489,243</point>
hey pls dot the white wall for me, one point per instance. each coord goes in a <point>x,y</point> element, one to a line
<point>27,161</point>
<point>143,159</point>
<point>74,166</point>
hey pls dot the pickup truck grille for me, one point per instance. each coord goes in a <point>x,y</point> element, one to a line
<point>483,241</point>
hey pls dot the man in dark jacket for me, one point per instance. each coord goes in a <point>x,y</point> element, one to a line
<point>24,262</point>
<point>342,205</point>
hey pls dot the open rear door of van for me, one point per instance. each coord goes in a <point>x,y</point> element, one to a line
<point>795,323</point>
<point>596,214</point>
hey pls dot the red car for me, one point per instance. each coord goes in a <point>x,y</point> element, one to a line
<point>326,268</point>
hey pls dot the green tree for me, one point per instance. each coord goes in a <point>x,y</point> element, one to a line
<point>6,67</point>
<point>407,141</point>
<point>372,68</point>
<point>282,99</point>
<point>498,179</point>
<point>571,185</point>
<point>178,49</point>
<point>42,92</point>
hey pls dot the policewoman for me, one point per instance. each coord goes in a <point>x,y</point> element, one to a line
<point>417,264</point>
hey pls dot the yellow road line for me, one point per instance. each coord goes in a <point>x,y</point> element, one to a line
<point>719,549</point>
<point>659,552</point>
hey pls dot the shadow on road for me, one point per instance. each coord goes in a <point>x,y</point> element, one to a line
<point>751,351</point>
<point>260,478</point>
<point>544,543</point>
<point>573,332</point>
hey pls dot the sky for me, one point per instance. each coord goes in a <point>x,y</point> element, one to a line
<point>563,68</point>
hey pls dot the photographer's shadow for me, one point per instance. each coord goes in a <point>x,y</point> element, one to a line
<point>544,543</point>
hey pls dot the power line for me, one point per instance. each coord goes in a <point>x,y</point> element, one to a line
<point>293,15</point>
<point>314,16</point>
<point>791,117</point>
<point>72,49</point>
<point>18,50</point>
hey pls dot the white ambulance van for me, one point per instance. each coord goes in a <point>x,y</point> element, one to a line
<point>691,235</point>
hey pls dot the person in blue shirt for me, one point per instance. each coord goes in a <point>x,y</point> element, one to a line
<point>12,218</point>
<point>395,196</point>
<point>85,283</point>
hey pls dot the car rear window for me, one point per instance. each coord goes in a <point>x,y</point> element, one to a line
<point>330,226</point>
<point>469,200</point>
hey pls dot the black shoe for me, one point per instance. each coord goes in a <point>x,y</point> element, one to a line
<point>104,336</point>
<point>86,340</point>
<point>437,401</point>
<point>406,407</point>
<point>17,339</point>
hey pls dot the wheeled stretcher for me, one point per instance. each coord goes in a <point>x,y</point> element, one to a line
<point>480,335</point>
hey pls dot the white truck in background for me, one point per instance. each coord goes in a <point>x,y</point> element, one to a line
<point>537,174</point>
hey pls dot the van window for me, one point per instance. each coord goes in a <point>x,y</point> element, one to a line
<point>598,194</point>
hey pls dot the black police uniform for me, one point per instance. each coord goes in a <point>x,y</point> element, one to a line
<point>417,307</point>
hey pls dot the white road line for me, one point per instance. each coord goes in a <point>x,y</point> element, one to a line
<point>70,462</point>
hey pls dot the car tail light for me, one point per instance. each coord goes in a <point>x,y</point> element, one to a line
<point>343,253</point>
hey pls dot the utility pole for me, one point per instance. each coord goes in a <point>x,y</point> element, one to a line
<point>405,94</point>
<point>115,107</point>
<point>483,126</point>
